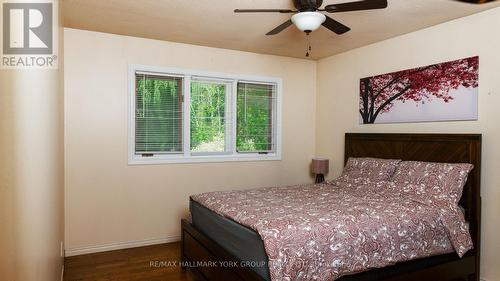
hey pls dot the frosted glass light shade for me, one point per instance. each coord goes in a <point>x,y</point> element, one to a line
<point>308,21</point>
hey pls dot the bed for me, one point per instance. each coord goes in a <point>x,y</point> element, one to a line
<point>213,246</point>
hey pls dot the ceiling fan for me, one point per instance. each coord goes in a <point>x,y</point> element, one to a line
<point>307,16</point>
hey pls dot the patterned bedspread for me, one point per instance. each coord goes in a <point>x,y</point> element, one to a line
<point>323,232</point>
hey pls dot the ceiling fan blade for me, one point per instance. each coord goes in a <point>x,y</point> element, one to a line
<point>335,26</point>
<point>280,28</point>
<point>283,11</point>
<point>356,6</point>
<point>476,1</point>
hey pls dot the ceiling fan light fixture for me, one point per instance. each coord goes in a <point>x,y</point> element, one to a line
<point>308,21</point>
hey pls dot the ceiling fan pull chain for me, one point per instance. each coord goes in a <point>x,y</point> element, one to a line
<point>309,49</point>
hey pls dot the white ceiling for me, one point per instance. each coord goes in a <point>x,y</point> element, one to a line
<point>213,23</point>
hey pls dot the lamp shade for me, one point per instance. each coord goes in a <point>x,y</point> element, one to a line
<point>320,166</point>
<point>308,21</point>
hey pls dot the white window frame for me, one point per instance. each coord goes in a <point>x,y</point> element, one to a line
<point>187,157</point>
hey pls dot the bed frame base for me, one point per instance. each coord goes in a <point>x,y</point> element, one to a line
<point>205,258</point>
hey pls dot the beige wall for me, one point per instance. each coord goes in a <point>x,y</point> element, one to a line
<point>109,202</point>
<point>337,102</point>
<point>31,174</point>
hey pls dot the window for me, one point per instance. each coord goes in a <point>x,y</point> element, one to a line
<point>208,116</point>
<point>255,117</point>
<point>158,114</point>
<point>181,116</point>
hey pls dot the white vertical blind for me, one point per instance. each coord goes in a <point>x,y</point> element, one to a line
<point>256,117</point>
<point>158,114</point>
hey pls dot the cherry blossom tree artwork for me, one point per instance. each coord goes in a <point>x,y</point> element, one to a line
<point>440,92</point>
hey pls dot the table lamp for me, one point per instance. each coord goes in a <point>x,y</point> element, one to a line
<point>320,167</point>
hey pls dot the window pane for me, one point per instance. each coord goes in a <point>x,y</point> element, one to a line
<point>255,121</point>
<point>158,114</point>
<point>208,123</point>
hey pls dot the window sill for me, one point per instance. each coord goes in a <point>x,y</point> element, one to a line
<point>160,160</point>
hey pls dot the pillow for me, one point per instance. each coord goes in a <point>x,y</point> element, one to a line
<point>365,170</point>
<point>435,182</point>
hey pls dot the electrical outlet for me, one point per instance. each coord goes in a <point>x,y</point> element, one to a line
<point>62,249</point>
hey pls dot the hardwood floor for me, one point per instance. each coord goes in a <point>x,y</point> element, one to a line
<point>151,263</point>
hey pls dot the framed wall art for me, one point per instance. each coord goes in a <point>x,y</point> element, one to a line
<point>441,92</point>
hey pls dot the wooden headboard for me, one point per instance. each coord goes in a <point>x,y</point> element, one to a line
<point>444,148</point>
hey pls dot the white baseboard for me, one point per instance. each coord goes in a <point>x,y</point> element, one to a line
<point>120,246</point>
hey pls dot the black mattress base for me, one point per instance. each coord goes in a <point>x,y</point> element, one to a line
<point>238,240</point>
